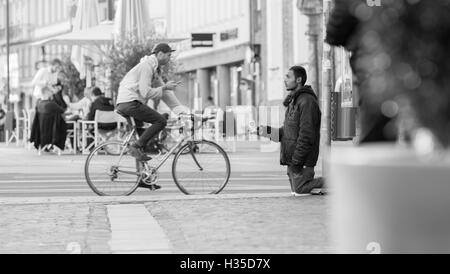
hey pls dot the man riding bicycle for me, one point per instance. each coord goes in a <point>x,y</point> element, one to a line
<point>144,83</point>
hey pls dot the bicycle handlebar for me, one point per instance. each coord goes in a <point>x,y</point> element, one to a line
<point>195,118</point>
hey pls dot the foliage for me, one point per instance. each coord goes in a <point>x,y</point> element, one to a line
<point>125,54</point>
<point>70,78</point>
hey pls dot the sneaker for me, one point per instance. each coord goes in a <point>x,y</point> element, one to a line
<point>301,195</point>
<point>138,153</point>
<point>319,191</point>
<point>152,187</point>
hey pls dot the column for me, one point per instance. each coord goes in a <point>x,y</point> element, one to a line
<point>224,77</point>
<point>204,85</point>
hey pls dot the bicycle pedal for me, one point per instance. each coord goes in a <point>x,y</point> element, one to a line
<point>154,187</point>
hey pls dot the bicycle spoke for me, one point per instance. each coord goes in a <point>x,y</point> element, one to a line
<point>111,175</point>
<point>214,174</point>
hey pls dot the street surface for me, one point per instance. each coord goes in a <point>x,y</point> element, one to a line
<point>47,207</point>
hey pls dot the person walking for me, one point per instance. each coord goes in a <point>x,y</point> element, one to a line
<point>300,134</point>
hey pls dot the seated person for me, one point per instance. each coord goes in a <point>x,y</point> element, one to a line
<point>81,108</point>
<point>100,102</point>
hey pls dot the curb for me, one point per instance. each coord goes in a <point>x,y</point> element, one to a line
<point>137,200</point>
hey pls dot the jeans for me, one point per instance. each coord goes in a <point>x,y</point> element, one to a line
<point>142,113</point>
<point>302,180</point>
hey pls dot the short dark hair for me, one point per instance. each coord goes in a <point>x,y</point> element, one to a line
<point>300,72</point>
<point>163,47</point>
<point>56,62</point>
<point>97,92</point>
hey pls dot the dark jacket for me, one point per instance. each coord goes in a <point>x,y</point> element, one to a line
<point>300,135</point>
<point>102,104</point>
<point>58,98</point>
<point>49,127</point>
<point>399,49</point>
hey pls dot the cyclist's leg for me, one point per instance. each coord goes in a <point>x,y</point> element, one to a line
<point>145,114</point>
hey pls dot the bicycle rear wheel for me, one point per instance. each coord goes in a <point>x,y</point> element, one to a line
<point>201,168</point>
<point>112,175</point>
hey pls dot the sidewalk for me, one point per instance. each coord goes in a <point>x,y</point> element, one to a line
<point>235,224</point>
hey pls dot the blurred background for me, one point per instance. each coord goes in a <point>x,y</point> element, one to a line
<point>234,52</point>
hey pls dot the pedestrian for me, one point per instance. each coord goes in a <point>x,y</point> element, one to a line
<point>49,127</point>
<point>246,90</point>
<point>2,122</point>
<point>300,135</point>
<point>46,77</point>
<point>210,103</point>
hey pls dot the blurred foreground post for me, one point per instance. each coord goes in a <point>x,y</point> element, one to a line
<point>320,72</point>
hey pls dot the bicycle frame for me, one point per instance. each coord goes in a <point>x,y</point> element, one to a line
<point>134,133</point>
<point>147,172</point>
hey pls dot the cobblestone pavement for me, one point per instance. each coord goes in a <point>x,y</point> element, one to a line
<point>246,226</point>
<point>231,225</point>
<point>54,229</point>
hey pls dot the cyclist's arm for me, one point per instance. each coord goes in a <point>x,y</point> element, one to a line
<point>145,84</point>
<point>173,103</point>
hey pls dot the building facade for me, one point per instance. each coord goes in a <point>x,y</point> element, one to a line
<point>254,43</point>
<point>30,22</point>
<point>212,71</point>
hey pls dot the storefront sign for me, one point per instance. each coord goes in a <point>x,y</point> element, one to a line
<point>202,40</point>
<point>229,35</point>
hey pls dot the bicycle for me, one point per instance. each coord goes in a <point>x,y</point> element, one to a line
<point>199,166</point>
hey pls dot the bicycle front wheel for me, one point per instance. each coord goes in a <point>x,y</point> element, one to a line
<point>200,168</point>
<point>115,174</point>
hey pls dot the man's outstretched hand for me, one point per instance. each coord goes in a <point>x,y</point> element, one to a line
<point>264,131</point>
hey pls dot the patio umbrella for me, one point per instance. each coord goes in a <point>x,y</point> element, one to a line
<point>86,17</point>
<point>132,18</point>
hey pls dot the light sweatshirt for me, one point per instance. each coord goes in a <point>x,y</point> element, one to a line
<point>143,83</point>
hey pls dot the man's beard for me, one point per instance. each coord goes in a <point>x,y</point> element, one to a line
<point>291,89</point>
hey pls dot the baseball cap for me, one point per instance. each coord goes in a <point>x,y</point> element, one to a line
<point>163,47</point>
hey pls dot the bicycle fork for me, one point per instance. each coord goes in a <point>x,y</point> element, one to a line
<point>192,152</point>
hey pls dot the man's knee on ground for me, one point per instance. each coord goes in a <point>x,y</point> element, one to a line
<point>311,185</point>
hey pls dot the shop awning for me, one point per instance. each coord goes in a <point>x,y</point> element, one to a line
<point>98,35</point>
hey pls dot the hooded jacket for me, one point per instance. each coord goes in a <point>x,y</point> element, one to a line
<point>101,103</point>
<point>144,83</point>
<point>300,135</point>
